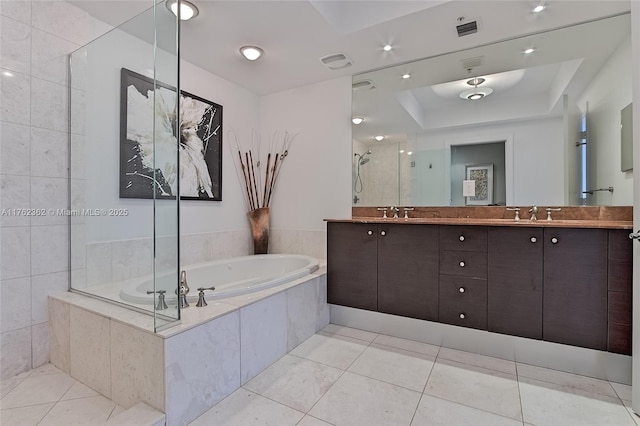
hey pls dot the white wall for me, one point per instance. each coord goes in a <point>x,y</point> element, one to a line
<point>315,181</point>
<point>607,94</point>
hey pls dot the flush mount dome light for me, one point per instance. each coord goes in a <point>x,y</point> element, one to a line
<point>387,47</point>
<point>539,8</point>
<point>357,120</point>
<point>379,138</point>
<point>251,52</point>
<point>188,10</point>
<point>529,50</point>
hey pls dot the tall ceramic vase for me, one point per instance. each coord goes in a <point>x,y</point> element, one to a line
<point>259,220</point>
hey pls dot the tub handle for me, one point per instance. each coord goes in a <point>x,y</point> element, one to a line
<point>161,305</point>
<point>201,301</point>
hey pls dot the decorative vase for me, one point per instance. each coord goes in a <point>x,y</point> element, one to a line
<point>259,220</point>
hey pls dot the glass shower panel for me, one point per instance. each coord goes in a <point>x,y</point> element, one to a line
<point>124,209</point>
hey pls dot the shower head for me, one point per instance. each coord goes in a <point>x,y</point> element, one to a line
<point>362,160</point>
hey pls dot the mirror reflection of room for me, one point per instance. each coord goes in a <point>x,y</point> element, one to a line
<point>554,101</point>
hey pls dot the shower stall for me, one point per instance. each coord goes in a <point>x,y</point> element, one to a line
<point>124,168</point>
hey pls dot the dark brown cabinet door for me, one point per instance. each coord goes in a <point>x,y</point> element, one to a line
<point>515,281</point>
<point>408,270</point>
<point>575,287</point>
<point>620,291</point>
<point>351,265</point>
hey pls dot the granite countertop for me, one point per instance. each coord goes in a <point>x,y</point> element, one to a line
<point>561,223</point>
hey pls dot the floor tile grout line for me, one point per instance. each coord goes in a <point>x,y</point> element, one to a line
<point>269,398</point>
<point>470,406</point>
<point>404,349</point>
<point>520,395</point>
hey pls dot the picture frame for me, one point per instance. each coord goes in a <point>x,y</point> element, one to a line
<point>482,174</point>
<point>200,148</point>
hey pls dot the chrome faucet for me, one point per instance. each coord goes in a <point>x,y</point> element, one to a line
<point>395,211</point>
<point>183,290</point>
<point>517,210</point>
<point>534,211</point>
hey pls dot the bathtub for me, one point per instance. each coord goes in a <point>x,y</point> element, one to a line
<point>230,277</point>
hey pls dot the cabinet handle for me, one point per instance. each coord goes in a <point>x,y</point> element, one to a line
<point>369,232</point>
<point>534,239</point>
<point>462,264</point>
<point>461,238</point>
<point>383,233</point>
<point>554,240</point>
<point>461,289</point>
<point>462,316</point>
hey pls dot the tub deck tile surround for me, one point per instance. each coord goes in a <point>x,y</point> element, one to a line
<point>187,368</point>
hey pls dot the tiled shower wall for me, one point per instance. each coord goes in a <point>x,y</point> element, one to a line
<point>35,39</point>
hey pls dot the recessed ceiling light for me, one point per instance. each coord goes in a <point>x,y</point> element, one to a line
<point>387,47</point>
<point>529,50</point>
<point>379,138</point>
<point>539,8</point>
<point>7,73</point>
<point>251,52</point>
<point>410,153</point>
<point>188,10</point>
<point>357,120</point>
<point>406,76</point>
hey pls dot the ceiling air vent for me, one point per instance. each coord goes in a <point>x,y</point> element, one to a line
<point>362,85</point>
<point>336,61</point>
<point>466,28</point>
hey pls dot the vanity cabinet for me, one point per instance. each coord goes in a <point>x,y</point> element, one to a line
<point>408,270</point>
<point>564,285</point>
<point>463,276</point>
<point>575,287</point>
<point>352,265</point>
<point>620,266</point>
<point>515,281</point>
<point>388,268</point>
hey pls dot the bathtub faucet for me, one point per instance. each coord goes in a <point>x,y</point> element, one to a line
<point>161,305</point>
<point>201,301</point>
<point>183,290</point>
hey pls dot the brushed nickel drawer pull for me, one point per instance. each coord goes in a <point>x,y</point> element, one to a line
<point>369,232</point>
<point>534,239</point>
<point>383,233</point>
<point>461,238</point>
<point>554,240</point>
<point>462,316</point>
<point>462,264</point>
<point>461,290</point>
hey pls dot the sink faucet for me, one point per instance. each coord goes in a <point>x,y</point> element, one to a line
<point>534,211</point>
<point>395,211</point>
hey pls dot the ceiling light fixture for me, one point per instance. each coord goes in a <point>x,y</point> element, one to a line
<point>476,93</point>
<point>539,8</point>
<point>379,138</point>
<point>529,50</point>
<point>7,73</point>
<point>357,120</point>
<point>188,10</point>
<point>387,47</point>
<point>252,53</point>
<point>406,76</point>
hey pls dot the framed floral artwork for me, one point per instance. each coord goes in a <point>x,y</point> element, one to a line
<point>148,161</point>
<point>482,174</point>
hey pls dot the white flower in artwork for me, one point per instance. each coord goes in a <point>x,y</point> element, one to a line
<point>159,154</point>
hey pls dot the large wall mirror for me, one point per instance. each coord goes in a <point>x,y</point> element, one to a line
<point>547,122</point>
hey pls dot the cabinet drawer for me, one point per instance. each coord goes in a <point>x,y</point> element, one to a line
<point>619,308</point>
<point>466,238</point>
<point>464,263</point>
<point>619,339</point>
<point>463,301</point>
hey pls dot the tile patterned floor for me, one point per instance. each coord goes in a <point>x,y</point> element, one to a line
<point>344,376</point>
<point>46,396</point>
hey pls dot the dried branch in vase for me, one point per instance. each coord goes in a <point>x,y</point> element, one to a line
<point>259,180</point>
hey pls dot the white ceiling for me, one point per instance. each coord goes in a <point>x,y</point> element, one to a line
<point>295,34</point>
